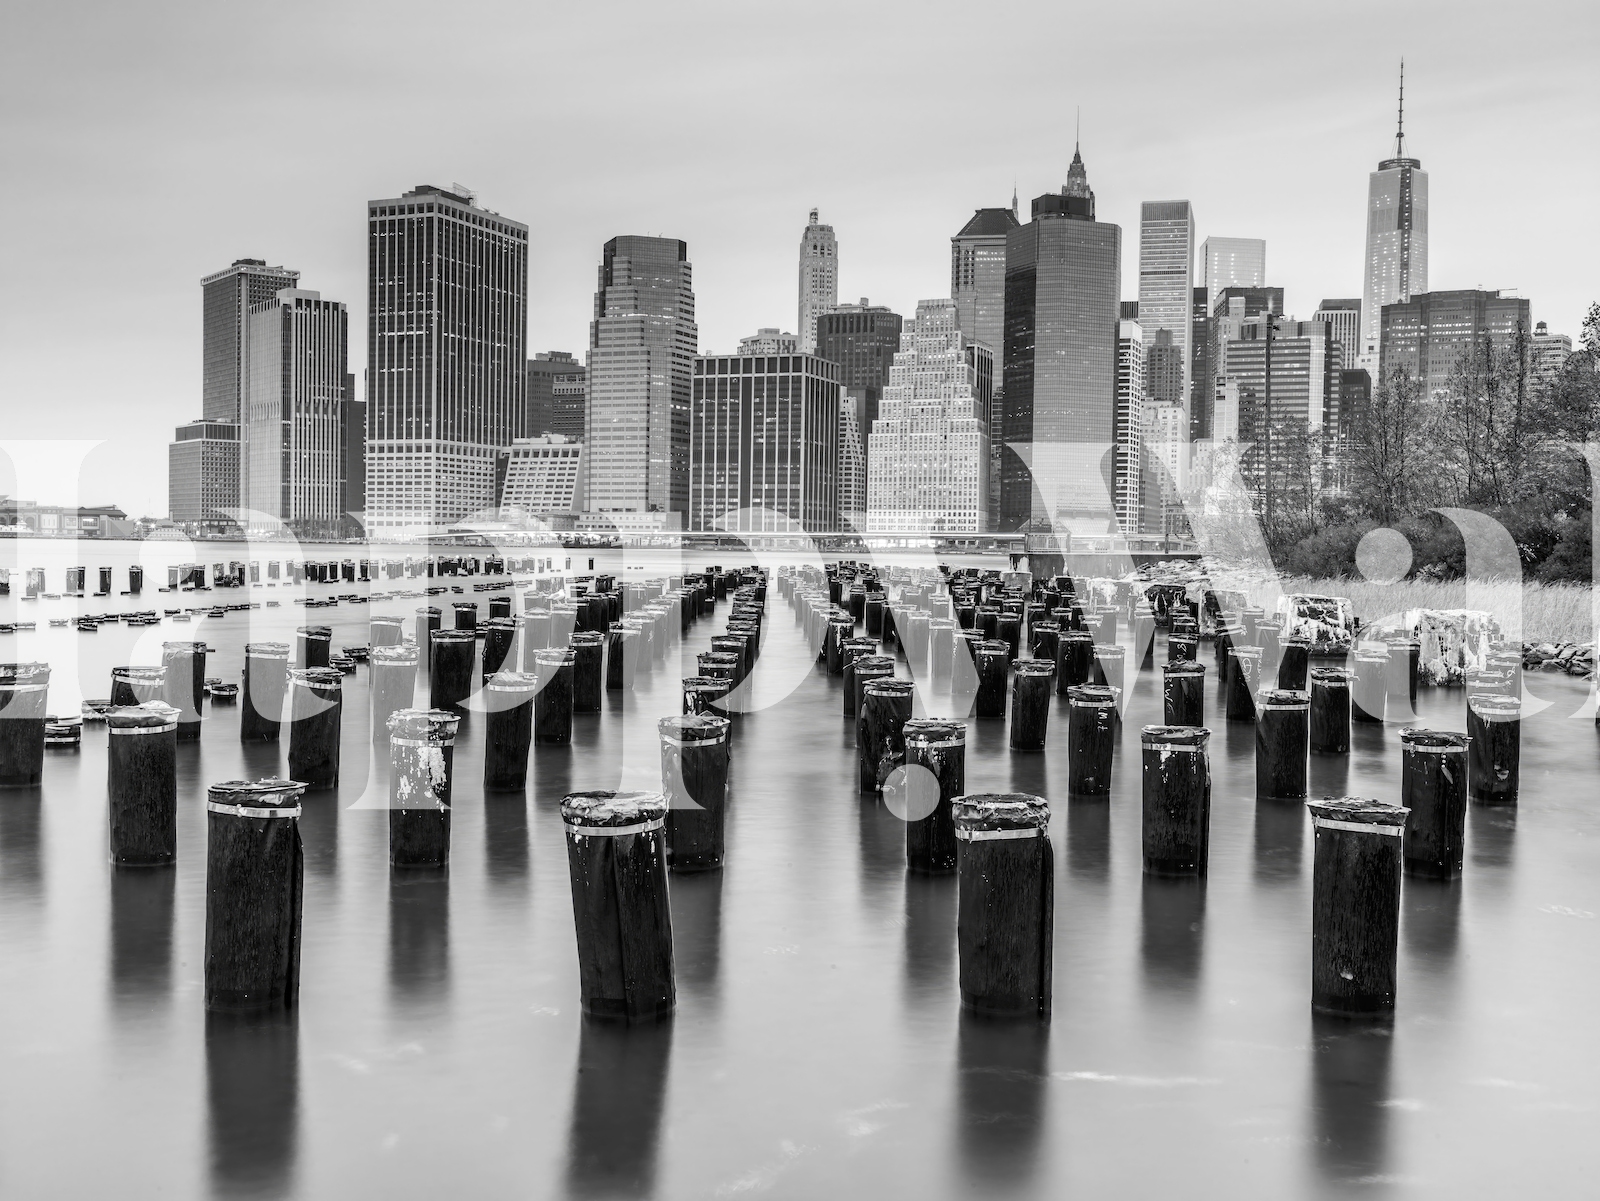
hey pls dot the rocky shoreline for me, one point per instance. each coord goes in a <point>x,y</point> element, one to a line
<point>1574,658</point>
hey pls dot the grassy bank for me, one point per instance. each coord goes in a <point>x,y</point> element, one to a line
<point>1549,612</point>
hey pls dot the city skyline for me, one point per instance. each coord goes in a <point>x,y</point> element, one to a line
<point>893,209</point>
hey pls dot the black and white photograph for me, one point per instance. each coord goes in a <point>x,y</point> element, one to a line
<point>725,600</point>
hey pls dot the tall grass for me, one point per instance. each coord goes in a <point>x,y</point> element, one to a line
<point>1543,612</point>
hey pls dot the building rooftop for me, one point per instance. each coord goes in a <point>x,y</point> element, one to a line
<point>987,222</point>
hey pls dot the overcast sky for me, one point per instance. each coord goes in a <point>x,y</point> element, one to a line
<point>147,144</point>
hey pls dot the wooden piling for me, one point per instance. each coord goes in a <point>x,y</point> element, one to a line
<point>1006,904</point>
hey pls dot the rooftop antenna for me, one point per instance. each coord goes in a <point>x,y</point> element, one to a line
<point>1400,129</point>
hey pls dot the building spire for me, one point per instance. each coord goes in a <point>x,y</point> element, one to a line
<point>1400,129</point>
<point>1013,196</point>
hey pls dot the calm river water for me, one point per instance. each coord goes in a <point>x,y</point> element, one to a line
<point>818,1048</point>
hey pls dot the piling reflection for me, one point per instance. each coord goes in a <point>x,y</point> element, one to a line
<point>550,773</point>
<point>21,870</point>
<point>1430,919</point>
<point>1172,931</point>
<point>1002,1087</point>
<point>505,838</point>
<point>618,1095</point>
<point>1350,1091</point>
<point>930,943</point>
<point>419,933</point>
<point>1089,838</point>
<point>1280,841</point>
<point>253,1103</point>
<point>883,849</point>
<point>1328,775</point>
<point>141,936</point>
<point>1491,835</point>
<point>697,930</point>
<point>319,831</point>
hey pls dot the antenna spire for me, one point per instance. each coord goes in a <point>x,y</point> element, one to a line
<point>1077,130</point>
<point>1400,129</point>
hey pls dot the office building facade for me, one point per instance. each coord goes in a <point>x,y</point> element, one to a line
<point>227,298</point>
<point>978,286</point>
<point>1230,308</point>
<point>1164,462</point>
<point>1166,279</point>
<point>852,471</point>
<point>541,477</point>
<point>642,346</point>
<point>1427,335</point>
<point>295,426</point>
<point>446,361</point>
<point>1233,263</point>
<point>765,443</point>
<point>1550,353</point>
<point>863,340</point>
<point>1202,374</point>
<point>1396,264</point>
<point>203,476</point>
<point>769,340</point>
<point>544,369</point>
<point>819,279</point>
<point>1343,317</point>
<point>569,402</point>
<point>928,453</point>
<point>1131,391</point>
<point>1063,284</point>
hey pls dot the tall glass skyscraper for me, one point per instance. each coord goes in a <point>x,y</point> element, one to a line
<point>642,345</point>
<point>294,418</point>
<point>227,297</point>
<point>819,279</point>
<point>1233,262</point>
<point>447,372</point>
<point>978,286</point>
<point>1344,319</point>
<point>1396,267</point>
<point>1166,280</point>
<point>1063,285</point>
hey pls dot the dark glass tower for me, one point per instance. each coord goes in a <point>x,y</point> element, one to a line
<point>1063,285</point>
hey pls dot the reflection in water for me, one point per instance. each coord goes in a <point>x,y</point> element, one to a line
<point>20,872</point>
<point>1089,838</point>
<point>617,1098</point>
<point>550,773</point>
<point>319,830</point>
<point>1430,919</point>
<point>419,932</point>
<point>141,934</point>
<point>930,956</point>
<point>883,848</point>
<point>263,760</point>
<point>1350,1089</point>
<point>1173,915</point>
<point>253,1094</point>
<point>696,900</point>
<point>1002,1090</point>
<point>1491,835</point>
<point>1280,841</point>
<point>1329,775</point>
<point>1029,773</point>
<point>505,837</point>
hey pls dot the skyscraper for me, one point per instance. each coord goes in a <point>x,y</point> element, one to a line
<point>642,346</point>
<point>447,379</point>
<point>928,453</point>
<point>819,279</point>
<point>1063,282</point>
<point>769,340</point>
<point>766,443</point>
<point>863,339</point>
<point>1230,309</point>
<point>1344,319</point>
<point>1164,464</point>
<point>1131,387</point>
<point>294,418</point>
<point>569,404</point>
<point>1428,334</point>
<point>1396,266</point>
<point>227,297</point>
<point>1202,370</point>
<point>204,464</point>
<point>544,369</point>
<point>978,286</point>
<point>1550,353</point>
<point>1166,279</point>
<point>1163,369</point>
<point>1233,262</point>
<point>852,469</point>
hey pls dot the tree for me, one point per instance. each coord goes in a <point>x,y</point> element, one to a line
<point>1385,447</point>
